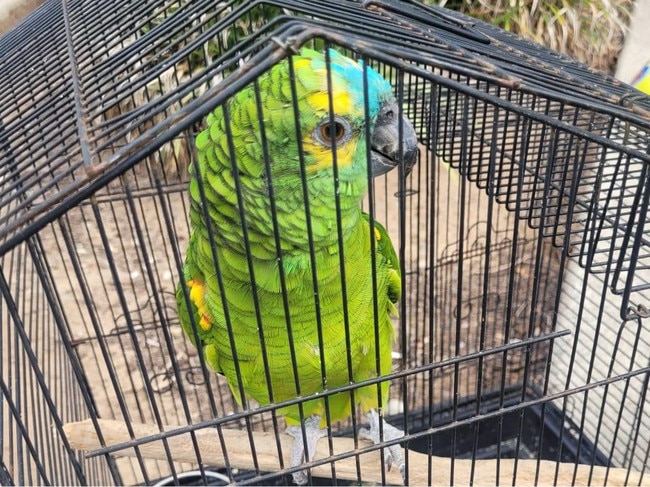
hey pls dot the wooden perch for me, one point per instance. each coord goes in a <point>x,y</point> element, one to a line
<point>82,436</point>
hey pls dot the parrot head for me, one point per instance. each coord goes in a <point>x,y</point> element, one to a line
<point>302,129</point>
<point>342,130</point>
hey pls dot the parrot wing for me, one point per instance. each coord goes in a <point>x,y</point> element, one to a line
<point>197,312</point>
<point>387,257</point>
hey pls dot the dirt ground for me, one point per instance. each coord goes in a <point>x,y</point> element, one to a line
<point>13,11</point>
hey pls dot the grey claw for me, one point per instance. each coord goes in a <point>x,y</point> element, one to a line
<point>298,454</point>
<point>391,453</point>
<point>388,459</point>
<point>300,478</point>
<point>402,472</point>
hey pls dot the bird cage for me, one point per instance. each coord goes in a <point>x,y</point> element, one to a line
<point>521,344</point>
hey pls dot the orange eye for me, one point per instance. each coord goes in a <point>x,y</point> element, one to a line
<point>331,131</point>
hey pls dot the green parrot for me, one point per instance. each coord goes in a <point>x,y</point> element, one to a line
<point>259,121</point>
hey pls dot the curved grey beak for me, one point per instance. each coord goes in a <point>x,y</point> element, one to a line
<point>384,142</point>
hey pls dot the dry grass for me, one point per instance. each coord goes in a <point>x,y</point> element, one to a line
<point>591,31</point>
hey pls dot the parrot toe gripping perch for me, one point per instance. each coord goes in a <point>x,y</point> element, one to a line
<point>313,433</point>
<point>392,453</point>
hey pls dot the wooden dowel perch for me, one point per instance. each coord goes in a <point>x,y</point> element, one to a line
<point>82,436</point>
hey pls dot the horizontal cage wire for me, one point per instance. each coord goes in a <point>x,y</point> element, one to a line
<point>197,204</point>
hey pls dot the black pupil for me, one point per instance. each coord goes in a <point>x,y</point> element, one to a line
<point>333,131</point>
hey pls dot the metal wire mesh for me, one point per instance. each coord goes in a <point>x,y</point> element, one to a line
<point>520,232</point>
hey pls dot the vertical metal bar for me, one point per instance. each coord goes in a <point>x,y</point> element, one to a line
<point>310,235</point>
<point>526,133</point>
<point>205,215</point>
<point>5,476</point>
<point>340,243</point>
<point>462,169</point>
<point>640,204</point>
<point>281,271</point>
<point>486,280</point>
<point>403,320</point>
<point>373,244</point>
<point>15,407</point>
<point>432,162</point>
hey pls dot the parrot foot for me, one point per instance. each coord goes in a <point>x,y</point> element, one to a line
<point>298,453</point>
<point>391,453</point>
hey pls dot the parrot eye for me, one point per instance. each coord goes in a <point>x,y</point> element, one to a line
<point>330,130</point>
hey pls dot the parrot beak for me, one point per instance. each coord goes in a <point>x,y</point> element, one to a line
<point>384,143</point>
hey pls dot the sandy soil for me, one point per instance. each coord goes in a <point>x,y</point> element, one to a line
<point>13,11</point>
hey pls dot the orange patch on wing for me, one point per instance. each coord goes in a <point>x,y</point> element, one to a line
<point>197,296</point>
